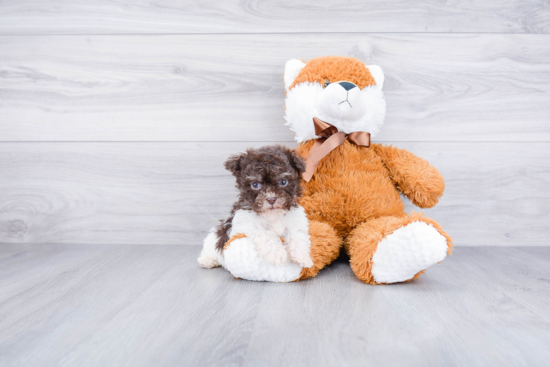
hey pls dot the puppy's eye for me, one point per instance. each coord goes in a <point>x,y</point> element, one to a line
<point>256,185</point>
<point>327,83</point>
<point>283,183</point>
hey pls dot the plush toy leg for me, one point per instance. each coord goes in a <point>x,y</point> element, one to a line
<point>396,249</point>
<point>242,260</point>
<point>325,247</point>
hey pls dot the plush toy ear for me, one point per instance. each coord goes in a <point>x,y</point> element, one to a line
<point>377,74</point>
<point>292,69</point>
<point>233,163</point>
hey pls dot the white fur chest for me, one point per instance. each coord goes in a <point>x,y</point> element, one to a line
<point>273,220</point>
<point>277,221</point>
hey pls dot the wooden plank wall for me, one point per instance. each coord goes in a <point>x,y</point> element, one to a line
<point>115,117</point>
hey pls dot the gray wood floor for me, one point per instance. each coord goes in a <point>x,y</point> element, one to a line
<point>96,305</point>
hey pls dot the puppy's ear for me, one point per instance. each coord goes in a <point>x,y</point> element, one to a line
<point>296,161</point>
<point>233,163</point>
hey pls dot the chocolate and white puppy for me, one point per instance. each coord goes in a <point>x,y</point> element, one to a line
<point>266,213</point>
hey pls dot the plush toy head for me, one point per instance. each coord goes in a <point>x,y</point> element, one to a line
<point>268,178</point>
<point>341,91</point>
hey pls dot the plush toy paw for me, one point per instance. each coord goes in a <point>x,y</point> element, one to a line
<point>271,250</point>
<point>208,262</point>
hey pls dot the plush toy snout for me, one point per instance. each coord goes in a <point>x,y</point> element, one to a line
<point>341,100</point>
<point>346,85</point>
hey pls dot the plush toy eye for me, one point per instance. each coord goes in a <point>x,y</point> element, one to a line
<point>256,185</point>
<point>283,183</point>
<point>327,83</point>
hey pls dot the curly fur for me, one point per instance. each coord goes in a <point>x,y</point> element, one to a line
<point>266,226</point>
<point>266,166</point>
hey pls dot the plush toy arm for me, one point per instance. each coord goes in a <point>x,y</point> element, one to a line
<point>412,175</point>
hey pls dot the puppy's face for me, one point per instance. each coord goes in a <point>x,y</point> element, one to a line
<point>268,178</point>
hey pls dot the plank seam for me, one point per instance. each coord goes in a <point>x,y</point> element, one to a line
<point>264,33</point>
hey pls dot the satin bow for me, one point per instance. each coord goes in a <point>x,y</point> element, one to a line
<point>329,139</point>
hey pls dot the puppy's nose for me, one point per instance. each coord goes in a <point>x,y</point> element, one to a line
<point>271,200</point>
<point>347,85</point>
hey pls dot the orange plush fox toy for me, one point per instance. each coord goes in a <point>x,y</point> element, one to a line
<point>335,105</point>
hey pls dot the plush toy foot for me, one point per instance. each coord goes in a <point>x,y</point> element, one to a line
<point>407,247</point>
<point>325,247</point>
<point>407,251</point>
<point>242,260</point>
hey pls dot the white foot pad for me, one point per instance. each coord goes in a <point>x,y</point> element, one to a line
<point>406,251</point>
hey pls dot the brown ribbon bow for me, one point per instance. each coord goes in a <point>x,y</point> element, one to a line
<point>329,139</point>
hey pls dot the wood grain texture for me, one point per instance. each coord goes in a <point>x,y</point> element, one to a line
<point>439,87</point>
<point>253,16</point>
<point>172,193</point>
<point>152,305</point>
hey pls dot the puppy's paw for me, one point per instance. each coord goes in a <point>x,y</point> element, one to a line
<point>208,262</point>
<point>301,257</point>
<point>271,250</point>
<point>275,255</point>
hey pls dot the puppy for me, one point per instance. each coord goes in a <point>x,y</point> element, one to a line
<point>266,213</point>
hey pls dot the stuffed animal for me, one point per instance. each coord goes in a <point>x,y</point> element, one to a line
<point>335,105</point>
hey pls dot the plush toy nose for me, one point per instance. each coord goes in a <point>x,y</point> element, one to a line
<point>347,85</point>
<point>271,200</point>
